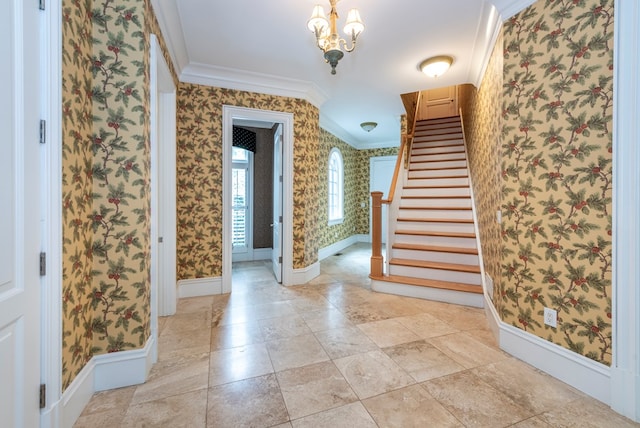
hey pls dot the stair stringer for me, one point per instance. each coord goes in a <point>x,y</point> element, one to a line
<point>393,212</point>
<point>488,294</point>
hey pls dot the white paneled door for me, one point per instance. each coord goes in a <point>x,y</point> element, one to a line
<point>20,213</point>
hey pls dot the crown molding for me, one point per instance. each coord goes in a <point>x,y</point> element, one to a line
<point>168,18</point>
<point>514,7</point>
<point>230,78</point>
<point>486,36</point>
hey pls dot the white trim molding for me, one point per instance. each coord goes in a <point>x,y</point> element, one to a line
<point>199,287</point>
<point>625,367</point>
<point>102,372</point>
<point>336,247</point>
<point>304,275</point>
<point>229,114</point>
<point>241,80</point>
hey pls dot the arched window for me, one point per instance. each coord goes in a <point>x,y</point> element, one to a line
<point>336,187</point>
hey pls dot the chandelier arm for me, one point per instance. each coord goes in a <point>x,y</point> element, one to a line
<point>343,42</point>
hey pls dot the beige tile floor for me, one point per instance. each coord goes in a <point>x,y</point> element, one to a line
<point>332,353</point>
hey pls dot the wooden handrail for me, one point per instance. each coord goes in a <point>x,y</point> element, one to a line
<point>396,172</point>
<point>376,197</point>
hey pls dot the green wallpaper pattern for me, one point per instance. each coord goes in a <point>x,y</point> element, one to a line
<point>557,173</point>
<point>106,175</point>
<point>199,172</point>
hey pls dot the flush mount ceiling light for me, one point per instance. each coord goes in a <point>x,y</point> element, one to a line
<point>326,31</point>
<point>368,126</point>
<point>436,66</point>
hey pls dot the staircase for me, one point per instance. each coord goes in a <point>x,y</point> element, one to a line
<point>434,253</point>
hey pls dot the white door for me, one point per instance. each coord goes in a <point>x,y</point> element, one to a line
<point>380,175</point>
<point>276,255</point>
<point>20,212</point>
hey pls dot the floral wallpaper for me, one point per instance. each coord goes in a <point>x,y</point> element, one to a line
<point>364,174</point>
<point>77,188</point>
<point>557,174</point>
<point>482,119</point>
<point>350,158</point>
<point>199,176</point>
<point>105,178</point>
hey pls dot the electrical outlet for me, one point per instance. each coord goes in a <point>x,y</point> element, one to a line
<point>551,317</point>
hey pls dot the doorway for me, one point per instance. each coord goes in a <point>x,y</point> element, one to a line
<point>233,115</point>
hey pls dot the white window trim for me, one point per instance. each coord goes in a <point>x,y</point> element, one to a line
<point>340,219</point>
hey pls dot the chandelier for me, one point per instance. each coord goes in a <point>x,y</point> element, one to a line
<point>327,36</point>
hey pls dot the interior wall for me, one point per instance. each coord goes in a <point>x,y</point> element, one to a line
<point>199,175</point>
<point>106,173</point>
<point>77,189</point>
<point>557,173</point>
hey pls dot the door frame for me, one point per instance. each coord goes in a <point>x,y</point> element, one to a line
<point>229,114</point>
<point>163,186</point>
<point>51,290</point>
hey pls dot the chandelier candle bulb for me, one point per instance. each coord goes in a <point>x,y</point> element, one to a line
<point>326,32</point>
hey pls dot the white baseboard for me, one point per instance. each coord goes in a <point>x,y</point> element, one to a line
<point>304,275</point>
<point>336,247</point>
<point>588,376</point>
<point>364,238</point>
<point>262,253</point>
<point>448,296</point>
<point>199,287</point>
<point>582,373</point>
<point>102,372</point>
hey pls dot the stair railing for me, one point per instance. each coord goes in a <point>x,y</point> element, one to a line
<point>377,261</point>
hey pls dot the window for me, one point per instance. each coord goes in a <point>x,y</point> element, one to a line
<point>336,187</point>
<point>240,197</point>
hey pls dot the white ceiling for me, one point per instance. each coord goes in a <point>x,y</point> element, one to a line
<point>265,46</point>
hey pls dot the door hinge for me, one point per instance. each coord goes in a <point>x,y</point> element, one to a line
<point>42,4</point>
<point>280,219</point>
<point>280,179</point>
<point>43,131</point>
<point>280,260</point>
<point>43,264</point>
<point>43,395</point>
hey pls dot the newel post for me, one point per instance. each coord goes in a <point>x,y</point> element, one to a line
<point>376,234</point>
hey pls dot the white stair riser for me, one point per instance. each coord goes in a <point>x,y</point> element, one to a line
<point>437,157</point>
<point>427,214</point>
<point>437,173</point>
<point>428,203</point>
<point>441,241</point>
<point>434,256</point>
<point>444,191</point>
<point>421,127</point>
<point>437,150</point>
<point>417,144</point>
<point>436,226</point>
<point>433,180</point>
<point>437,274</point>
<point>418,164</point>
<point>428,137</point>
<point>428,293</point>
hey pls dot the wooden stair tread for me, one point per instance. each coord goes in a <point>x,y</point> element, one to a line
<point>437,186</point>
<point>439,168</point>
<point>436,160</point>
<point>438,220</point>
<point>437,140</point>
<point>413,147</point>
<point>437,208</point>
<point>435,265</point>
<point>440,176</point>
<point>447,152</point>
<point>443,285</point>
<point>438,248</point>
<point>436,233</point>
<point>437,197</point>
